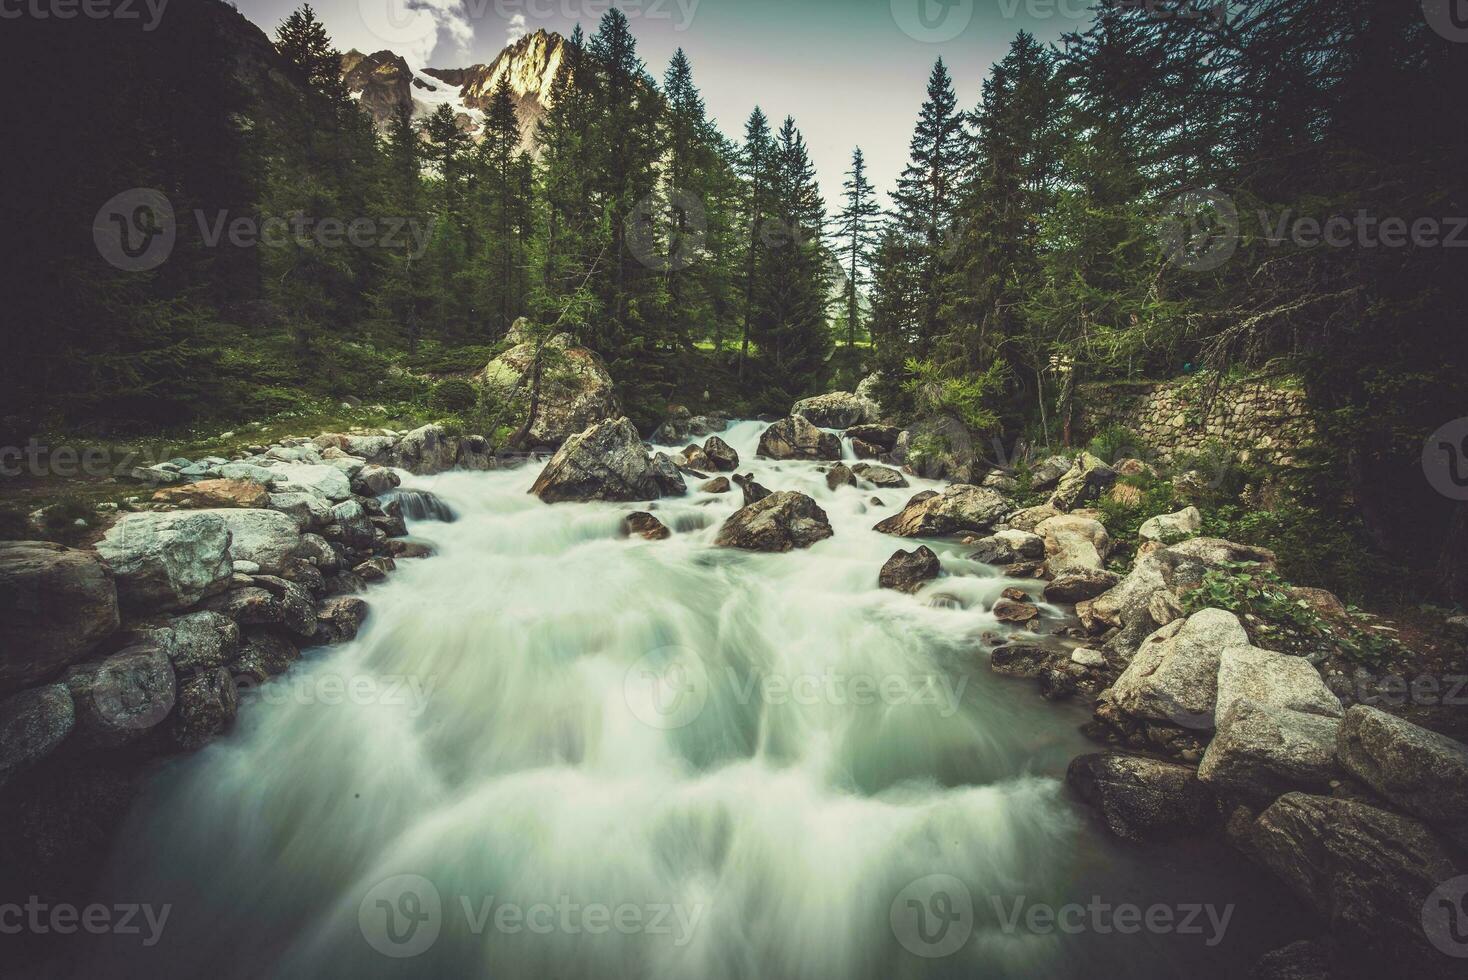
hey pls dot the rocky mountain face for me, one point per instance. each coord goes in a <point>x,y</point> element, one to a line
<point>383,81</point>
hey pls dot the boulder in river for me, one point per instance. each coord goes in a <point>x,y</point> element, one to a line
<point>1007,547</point>
<point>1141,799</point>
<point>576,390</point>
<point>837,410</point>
<point>693,457</point>
<point>1419,770</point>
<point>168,560</point>
<point>958,508</point>
<point>1008,610</point>
<point>880,437</point>
<point>782,521</point>
<point>881,477</point>
<point>121,697</point>
<point>207,705</point>
<point>797,438</point>
<point>721,455</point>
<point>1080,584</point>
<point>644,525</point>
<point>840,475</point>
<point>669,478</point>
<point>719,484</point>
<point>56,605</point>
<point>753,492</point>
<point>906,571</point>
<point>605,462</point>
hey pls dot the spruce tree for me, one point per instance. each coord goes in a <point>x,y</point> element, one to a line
<point>857,233</point>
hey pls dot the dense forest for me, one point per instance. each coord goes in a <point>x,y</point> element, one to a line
<point>1126,204</point>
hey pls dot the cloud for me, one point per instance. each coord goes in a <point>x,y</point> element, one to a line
<point>416,28</point>
<point>518,29</point>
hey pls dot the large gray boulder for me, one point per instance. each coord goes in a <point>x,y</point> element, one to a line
<point>426,450</point>
<point>721,455</point>
<point>605,462</point>
<point>319,479</point>
<point>837,410</point>
<point>1079,585</point>
<point>782,521</point>
<point>269,538</point>
<point>1274,680</point>
<point>1009,546</point>
<point>197,642</point>
<point>1168,529</point>
<point>1141,799</point>
<point>576,390</point>
<point>907,571</point>
<point>797,438</point>
<point>56,605</point>
<point>1174,676</point>
<point>1419,770</point>
<point>881,477</point>
<point>169,560</point>
<point>1262,751</point>
<point>120,698</point>
<point>207,705</point>
<point>1175,571</point>
<point>269,602</point>
<point>961,508</point>
<point>1073,543</point>
<point>310,511</point>
<point>1368,873</point>
<point>1087,478</point>
<point>32,724</point>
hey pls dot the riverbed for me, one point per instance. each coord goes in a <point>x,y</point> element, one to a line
<point>556,751</point>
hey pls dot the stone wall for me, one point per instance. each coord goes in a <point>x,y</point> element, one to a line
<point>1260,422</point>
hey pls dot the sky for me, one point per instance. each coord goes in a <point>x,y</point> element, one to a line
<point>851,72</point>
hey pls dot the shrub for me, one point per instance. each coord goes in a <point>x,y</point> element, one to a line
<point>1117,442</point>
<point>454,395</point>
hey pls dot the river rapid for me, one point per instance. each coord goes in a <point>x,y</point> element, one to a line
<point>554,751</point>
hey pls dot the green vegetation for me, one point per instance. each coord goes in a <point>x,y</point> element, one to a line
<point>1280,620</point>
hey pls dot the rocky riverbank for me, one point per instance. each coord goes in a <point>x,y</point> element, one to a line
<point>143,646</point>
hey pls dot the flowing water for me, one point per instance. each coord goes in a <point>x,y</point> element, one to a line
<point>557,752</point>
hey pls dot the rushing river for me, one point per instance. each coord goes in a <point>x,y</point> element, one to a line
<point>557,752</point>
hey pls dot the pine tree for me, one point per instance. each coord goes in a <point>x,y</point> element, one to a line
<point>796,336</point>
<point>857,230</point>
<point>925,200</point>
<point>757,169</point>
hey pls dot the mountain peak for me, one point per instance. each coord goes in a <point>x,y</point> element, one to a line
<point>382,81</point>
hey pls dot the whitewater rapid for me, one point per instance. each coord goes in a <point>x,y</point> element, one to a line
<point>554,751</point>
